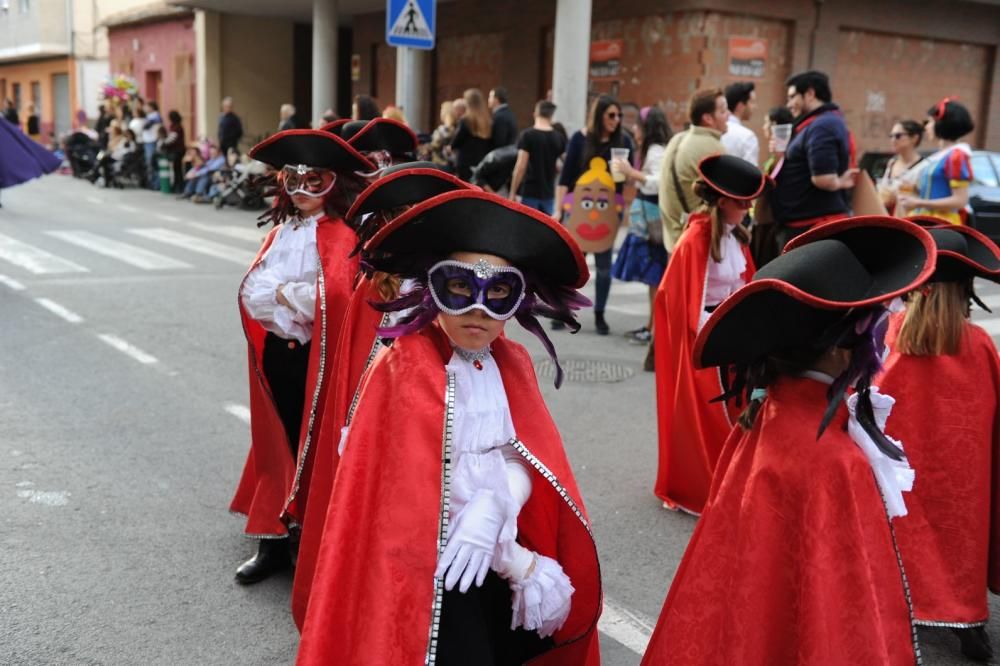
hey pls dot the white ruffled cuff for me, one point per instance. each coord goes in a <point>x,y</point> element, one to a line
<point>542,601</point>
<point>894,477</point>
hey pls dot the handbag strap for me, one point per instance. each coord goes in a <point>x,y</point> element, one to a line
<point>677,187</point>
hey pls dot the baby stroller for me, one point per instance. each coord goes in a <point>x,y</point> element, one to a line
<point>130,171</point>
<point>496,169</point>
<point>81,151</point>
<point>239,188</point>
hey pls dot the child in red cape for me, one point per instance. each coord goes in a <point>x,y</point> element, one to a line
<point>397,188</point>
<point>793,560</point>
<point>710,261</point>
<point>945,374</point>
<point>459,535</point>
<point>292,302</point>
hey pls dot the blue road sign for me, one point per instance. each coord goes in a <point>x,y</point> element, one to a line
<point>410,23</point>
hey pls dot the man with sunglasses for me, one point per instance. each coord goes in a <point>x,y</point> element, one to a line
<point>709,114</point>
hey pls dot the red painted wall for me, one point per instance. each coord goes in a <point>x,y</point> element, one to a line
<point>167,47</point>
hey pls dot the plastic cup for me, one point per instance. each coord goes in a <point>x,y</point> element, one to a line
<point>782,135</point>
<point>618,154</point>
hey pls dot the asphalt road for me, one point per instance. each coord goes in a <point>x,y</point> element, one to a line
<point>122,436</point>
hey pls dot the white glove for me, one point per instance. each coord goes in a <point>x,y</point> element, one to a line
<point>472,541</point>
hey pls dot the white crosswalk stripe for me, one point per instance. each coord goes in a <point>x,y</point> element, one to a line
<point>196,244</point>
<point>35,260</point>
<point>130,254</point>
<point>250,235</point>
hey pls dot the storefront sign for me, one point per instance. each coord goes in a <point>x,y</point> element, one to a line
<point>747,56</point>
<point>605,59</point>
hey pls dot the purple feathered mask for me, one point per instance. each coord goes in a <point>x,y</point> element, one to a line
<point>419,308</point>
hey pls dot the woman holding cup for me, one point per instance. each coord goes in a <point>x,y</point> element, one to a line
<point>905,137</point>
<point>602,135</point>
<point>643,257</point>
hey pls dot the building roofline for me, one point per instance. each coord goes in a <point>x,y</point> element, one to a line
<point>153,12</point>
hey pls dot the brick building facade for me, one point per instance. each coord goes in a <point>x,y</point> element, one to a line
<point>887,60</point>
<point>158,52</point>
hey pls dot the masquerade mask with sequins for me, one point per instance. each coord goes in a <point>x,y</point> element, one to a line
<point>458,287</point>
<point>304,180</point>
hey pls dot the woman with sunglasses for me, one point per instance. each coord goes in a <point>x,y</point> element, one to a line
<point>905,138</point>
<point>460,536</point>
<point>942,182</point>
<point>291,303</point>
<point>603,132</point>
<point>710,261</point>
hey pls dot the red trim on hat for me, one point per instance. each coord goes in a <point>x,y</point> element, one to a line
<point>928,222</point>
<point>540,217</point>
<point>980,238</point>
<point>883,221</point>
<point>404,173</point>
<point>375,122</point>
<point>332,125</point>
<point>320,134</point>
<point>818,233</point>
<point>764,179</point>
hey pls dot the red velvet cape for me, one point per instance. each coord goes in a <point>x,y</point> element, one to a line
<point>269,475</point>
<point>691,429</point>
<point>946,415</point>
<point>354,354</point>
<point>374,595</point>
<point>792,561</point>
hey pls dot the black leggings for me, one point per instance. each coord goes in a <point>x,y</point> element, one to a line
<point>286,364</point>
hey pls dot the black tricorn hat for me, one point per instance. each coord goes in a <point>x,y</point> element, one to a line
<point>313,148</point>
<point>405,185</point>
<point>334,127</point>
<point>471,220</point>
<point>732,177</point>
<point>385,134</point>
<point>963,252</point>
<point>791,301</point>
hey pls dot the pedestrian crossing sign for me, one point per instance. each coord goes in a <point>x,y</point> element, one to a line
<point>410,23</point>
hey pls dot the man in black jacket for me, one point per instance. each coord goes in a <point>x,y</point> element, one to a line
<point>230,127</point>
<point>504,124</point>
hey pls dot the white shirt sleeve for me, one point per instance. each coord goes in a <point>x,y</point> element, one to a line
<point>653,168</point>
<point>302,297</point>
<point>259,294</point>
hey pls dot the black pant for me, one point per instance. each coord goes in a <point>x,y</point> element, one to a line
<point>475,628</point>
<point>177,162</point>
<point>286,365</point>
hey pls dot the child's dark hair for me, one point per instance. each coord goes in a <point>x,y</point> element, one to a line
<point>952,120</point>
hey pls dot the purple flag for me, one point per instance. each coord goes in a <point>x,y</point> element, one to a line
<point>21,159</point>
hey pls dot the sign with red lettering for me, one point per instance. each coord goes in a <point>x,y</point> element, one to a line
<point>606,59</point>
<point>747,56</point>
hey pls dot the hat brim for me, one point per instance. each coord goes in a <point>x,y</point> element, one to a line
<point>732,177</point>
<point>856,262</point>
<point>404,188</point>
<point>385,134</point>
<point>335,126</point>
<point>973,255</point>
<point>475,221</point>
<point>314,148</point>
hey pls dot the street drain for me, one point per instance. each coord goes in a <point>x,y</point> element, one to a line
<point>585,371</point>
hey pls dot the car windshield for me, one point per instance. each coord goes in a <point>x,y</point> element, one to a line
<point>983,171</point>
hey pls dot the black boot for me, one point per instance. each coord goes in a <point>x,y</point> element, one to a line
<point>272,556</point>
<point>975,643</point>
<point>601,325</point>
<point>649,364</point>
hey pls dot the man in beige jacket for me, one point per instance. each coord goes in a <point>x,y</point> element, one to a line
<point>709,113</point>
